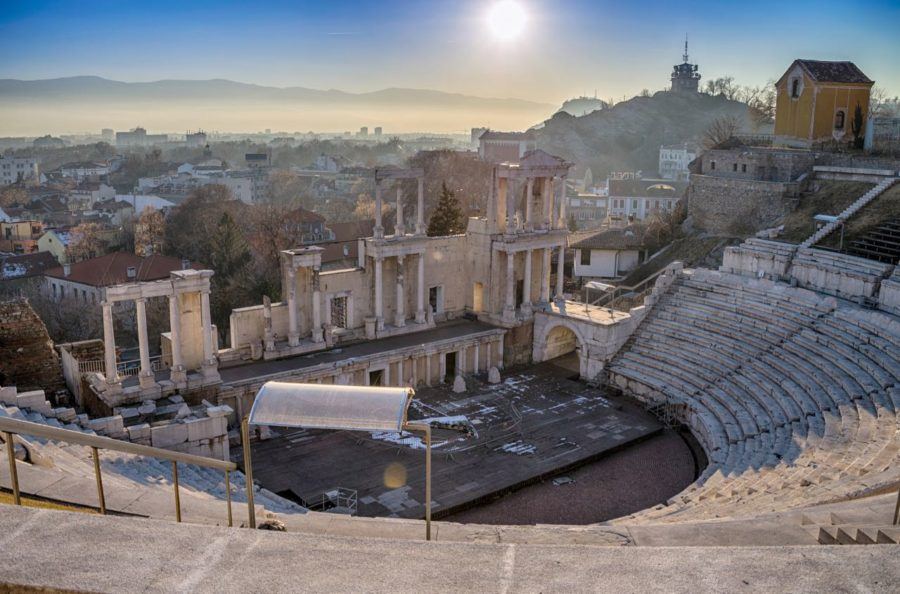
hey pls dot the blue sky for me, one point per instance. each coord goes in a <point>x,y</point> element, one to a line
<point>568,47</point>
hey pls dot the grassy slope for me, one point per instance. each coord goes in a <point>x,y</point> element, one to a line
<point>831,198</point>
<point>881,210</point>
<point>690,250</point>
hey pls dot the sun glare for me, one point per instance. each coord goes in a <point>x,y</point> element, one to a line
<point>507,20</point>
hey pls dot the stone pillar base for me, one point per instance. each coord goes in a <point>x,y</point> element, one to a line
<point>318,335</point>
<point>509,315</point>
<point>293,340</point>
<point>526,309</point>
<point>210,370</point>
<point>147,379</point>
<point>399,322</point>
<point>379,324</point>
<point>178,375</point>
<point>420,317</point>
<point>459,384</point>
<point>371,325</point>
<point>493,375</point>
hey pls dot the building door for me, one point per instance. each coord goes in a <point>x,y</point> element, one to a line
<point>451,366</point>
<point>376,377</point>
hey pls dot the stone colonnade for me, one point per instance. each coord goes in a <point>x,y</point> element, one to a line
<point>310,259</point>
<point>527,304</point>
<point>382,175</point>
<point>182,285</point>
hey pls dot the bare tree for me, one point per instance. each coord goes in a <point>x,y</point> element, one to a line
<point>722,129</point>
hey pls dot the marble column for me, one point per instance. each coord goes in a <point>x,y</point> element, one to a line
<point>428,369</point>
<point>546,202</point>
<point>502,213</point>
<point>109,344</point>
<point>206,322</point>
<point>563,223</point>
<point>551,204</point>
<point>379,228</point>
<point>400,227</point>
<point>442,367</point>
<point>379,295</point>
<point>146,375</point>
<point>420,290</point>
<point>400,373</point>
<point>476,363</point>
<point>492,201</point>
<point>560,274</point>
<point>509,308</point>
<point>545,276</point>
<point>400,311</point>
<point>420,207</point>
<point>293,326</point>
<point>177,372</point>
<point>317,334</point>
<point>529,198</point>
<point>526,284</point>
<point>510,207</point>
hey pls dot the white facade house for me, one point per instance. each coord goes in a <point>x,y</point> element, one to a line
<point>609,253</point>
<point>15,169</point>
<point>84,170</point>
<point>674,161</point>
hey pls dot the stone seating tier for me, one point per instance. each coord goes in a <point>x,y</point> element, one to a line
<point>794,395</point>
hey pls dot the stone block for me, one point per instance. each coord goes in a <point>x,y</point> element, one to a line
<point>109,425</point>
<point>198,429</point>
<point>219,411</point>
<point>8,395</point>
<point>493,375</point>
<point>138,432</point>
<point>459,384</point>
<point>66,415</point>
<point>165,436</point>
<point>32,399</point>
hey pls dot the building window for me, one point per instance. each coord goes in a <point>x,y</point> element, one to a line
<point>734,167</point>
<point>795,88</point>
<point>743,168</point>
<point>634,204</point>
<point>339,312</point>
<point>839,120</point>
<point>585,257</point>
<point>712,165</point>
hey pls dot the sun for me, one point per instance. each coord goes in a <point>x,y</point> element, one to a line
<point>507,20</point>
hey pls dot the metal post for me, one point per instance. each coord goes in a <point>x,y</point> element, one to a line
<point>427,482</point>
<point>177,496</point>
<point>228,498</point>
<point>248,471</point>
<point>13,474</point>
<point>96,455</point>
<point>897,510</point>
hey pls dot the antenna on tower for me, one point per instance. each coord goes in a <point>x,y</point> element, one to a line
<point>685,48</point>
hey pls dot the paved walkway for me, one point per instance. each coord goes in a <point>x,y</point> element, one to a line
<point>64,550</point>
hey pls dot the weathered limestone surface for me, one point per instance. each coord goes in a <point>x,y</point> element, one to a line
<point>27,357</point>
<point>838,274</point>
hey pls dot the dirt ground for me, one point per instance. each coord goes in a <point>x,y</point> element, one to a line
<point>636,478</point>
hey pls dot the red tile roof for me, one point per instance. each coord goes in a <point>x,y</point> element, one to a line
<point>112,269</point>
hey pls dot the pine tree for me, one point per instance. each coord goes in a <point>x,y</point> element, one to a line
<point>447,218</point>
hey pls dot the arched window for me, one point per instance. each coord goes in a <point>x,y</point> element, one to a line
<point>795,87</point>
<point>839,120</point>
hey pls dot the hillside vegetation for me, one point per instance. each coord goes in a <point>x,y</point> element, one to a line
<point>627,136</point>
<point>830,198</point>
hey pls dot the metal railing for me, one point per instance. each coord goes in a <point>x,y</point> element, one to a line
<point>11,427</point>
<point>123,368</point>
<point>610,296</point>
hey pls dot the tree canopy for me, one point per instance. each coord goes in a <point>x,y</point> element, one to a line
<point>448,218</point>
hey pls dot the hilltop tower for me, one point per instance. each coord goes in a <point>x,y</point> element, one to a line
<point>685,76</point>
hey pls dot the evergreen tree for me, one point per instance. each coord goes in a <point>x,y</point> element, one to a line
<point>447,218</point>
<point>857,127</point>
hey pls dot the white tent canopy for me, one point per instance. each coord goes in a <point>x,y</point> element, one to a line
<point>324,406</point>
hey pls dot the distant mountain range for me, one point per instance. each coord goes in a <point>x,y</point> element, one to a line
<point>56,96</point>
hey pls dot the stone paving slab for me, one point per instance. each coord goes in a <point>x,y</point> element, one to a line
<point>64,550</point>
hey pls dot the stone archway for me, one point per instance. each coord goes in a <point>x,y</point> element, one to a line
<point>558,341</point>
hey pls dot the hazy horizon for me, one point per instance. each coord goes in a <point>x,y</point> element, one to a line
<point>556,51</point>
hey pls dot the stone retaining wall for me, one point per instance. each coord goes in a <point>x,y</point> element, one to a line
<point>738,206</point>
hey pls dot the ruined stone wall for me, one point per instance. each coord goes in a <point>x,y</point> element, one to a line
<point>858,161</point>
<point>27,357</point>
<point>736,206</point>
<point>757,164</point>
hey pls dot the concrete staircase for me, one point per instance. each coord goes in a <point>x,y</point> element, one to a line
<point>849,212</point>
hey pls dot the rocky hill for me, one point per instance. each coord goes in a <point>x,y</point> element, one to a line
<point>627,136</point>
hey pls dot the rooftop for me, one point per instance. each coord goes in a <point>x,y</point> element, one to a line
<point>844,72</point>
<point>112,269</point>
<point>619,238</point>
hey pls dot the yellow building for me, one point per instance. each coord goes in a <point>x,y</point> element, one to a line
<point>816,102</point>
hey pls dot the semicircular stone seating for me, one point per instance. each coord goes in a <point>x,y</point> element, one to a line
<point>794,395</point>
